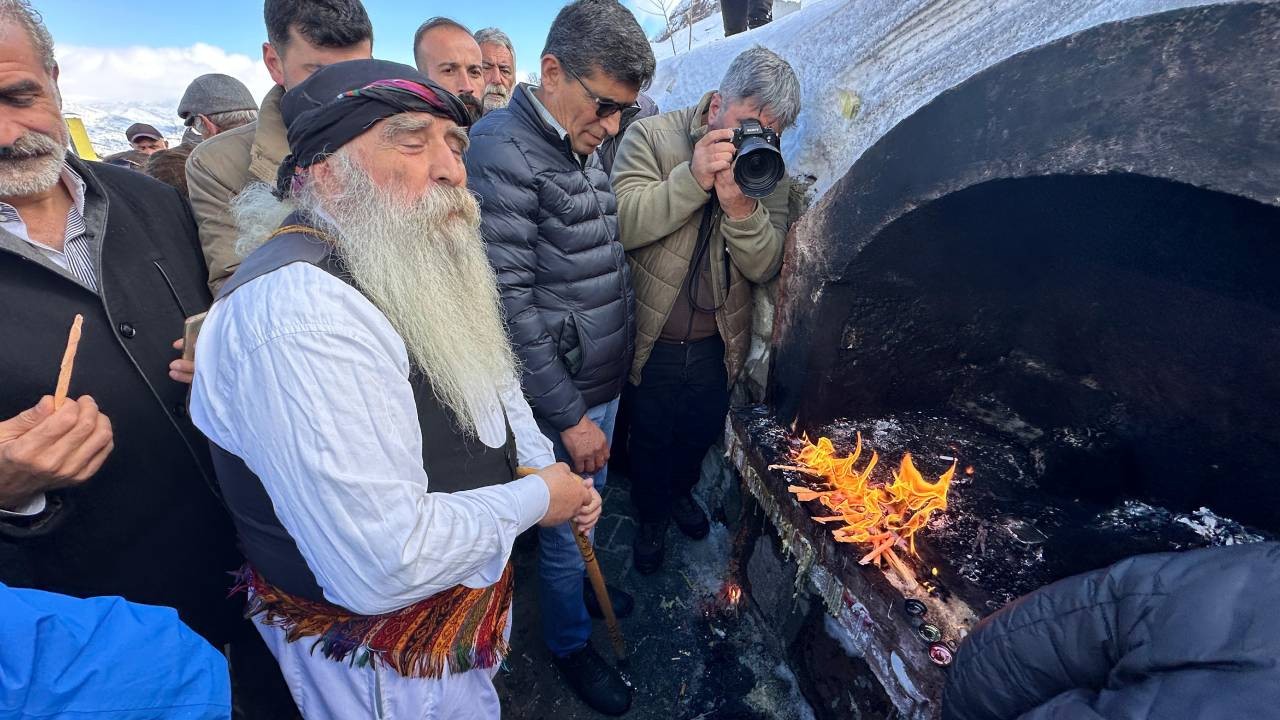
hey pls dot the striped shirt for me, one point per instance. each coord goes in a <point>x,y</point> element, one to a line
<point>77,254</point>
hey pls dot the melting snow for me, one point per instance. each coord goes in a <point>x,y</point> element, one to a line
<point>865,65</point>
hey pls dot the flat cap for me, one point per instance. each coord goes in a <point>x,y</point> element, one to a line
<point>214,93</point>
<point>142,130</point>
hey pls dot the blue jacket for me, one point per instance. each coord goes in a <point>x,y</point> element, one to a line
<point>104,657</point>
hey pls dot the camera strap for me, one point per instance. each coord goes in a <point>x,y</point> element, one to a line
<point>710,216</point>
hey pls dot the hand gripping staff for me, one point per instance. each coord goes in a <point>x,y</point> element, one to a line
<point>597,581</point>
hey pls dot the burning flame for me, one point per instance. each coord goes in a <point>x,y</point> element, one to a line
<point>733,593</point>
<point>883,515</point>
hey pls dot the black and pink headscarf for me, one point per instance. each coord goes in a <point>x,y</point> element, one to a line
<point>340,102</point>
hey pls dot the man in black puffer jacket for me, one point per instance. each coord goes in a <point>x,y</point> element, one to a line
<point>549,219</point>
<point>1175,636</point>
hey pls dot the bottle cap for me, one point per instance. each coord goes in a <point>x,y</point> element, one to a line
<point>940,654</point>
<point>929,633</point>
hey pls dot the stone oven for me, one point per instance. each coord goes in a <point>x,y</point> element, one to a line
<point>1061,275</point>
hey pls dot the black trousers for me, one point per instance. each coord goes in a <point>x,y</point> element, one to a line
<point>740,15</point>
<point>677,413</point>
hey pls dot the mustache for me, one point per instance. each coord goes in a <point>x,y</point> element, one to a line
<point>473,105</point>
<point>495,89</point>
<point>29,145</point>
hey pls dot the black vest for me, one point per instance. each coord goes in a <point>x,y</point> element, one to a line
<point>454,460</point>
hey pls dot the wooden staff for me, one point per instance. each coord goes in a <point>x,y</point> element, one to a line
<point>68,361</point>
<point>597,581</point>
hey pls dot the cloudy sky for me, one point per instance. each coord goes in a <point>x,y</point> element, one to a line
<point>147,50</point>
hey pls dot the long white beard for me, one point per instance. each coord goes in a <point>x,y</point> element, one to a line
<point>257,213</point>
<point>31,165</point>
<point>421,261</point>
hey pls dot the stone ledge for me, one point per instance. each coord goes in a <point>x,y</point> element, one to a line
<point>864,605</point>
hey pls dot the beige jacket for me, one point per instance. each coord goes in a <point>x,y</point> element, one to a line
<point>220,168</point>
<point>660,207</point>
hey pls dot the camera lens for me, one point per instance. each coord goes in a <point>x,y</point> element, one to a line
<point>758,168</point>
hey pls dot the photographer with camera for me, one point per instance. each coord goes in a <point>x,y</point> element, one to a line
<point>702,212</point>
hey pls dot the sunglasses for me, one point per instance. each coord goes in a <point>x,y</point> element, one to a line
<point>606,107</point>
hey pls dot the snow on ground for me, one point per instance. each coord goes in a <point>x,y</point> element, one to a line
<point>1216,530</point>
<point>704,31</point>
<point>781,699</point>
<point>106,122</point>
<point>690,659</point>
<point>883,58</point>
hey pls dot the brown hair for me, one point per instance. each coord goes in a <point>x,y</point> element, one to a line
<point>170,166</point>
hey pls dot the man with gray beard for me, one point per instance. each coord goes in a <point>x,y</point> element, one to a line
<point>362,405</point>
<point>90,240</point>
<point>110,494</point>
<point>499,67</point>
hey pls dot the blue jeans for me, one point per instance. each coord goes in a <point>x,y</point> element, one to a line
<point>565,623</point>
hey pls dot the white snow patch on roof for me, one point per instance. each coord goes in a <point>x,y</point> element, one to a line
<point>893,56</point>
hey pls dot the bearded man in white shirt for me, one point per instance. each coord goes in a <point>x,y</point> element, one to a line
<point>361,400</point>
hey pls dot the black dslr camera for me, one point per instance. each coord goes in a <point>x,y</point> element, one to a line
<point>758,166</point>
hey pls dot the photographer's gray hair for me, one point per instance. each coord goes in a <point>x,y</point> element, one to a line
<point>762,75</point>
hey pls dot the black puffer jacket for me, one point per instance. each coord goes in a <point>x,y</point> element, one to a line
<point>1177,636</point>
<point>551,227</point>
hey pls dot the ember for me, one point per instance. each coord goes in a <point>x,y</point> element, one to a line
<point>726,600</point>
<point>883,515</point>
<point>733,593</point>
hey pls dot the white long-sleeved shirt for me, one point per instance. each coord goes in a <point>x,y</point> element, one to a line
<point>304,379</point>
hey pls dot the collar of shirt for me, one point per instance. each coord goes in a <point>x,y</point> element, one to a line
<point>75,185</point>
<point>12,220</point>
<point>554,124</point>
<point>78,256</point>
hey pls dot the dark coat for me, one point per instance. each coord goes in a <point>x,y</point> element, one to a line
<point>551,228</point>
<point>148,526</point>
<point>1176,636</point>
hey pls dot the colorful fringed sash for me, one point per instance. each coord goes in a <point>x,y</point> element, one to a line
<point>459,629</point>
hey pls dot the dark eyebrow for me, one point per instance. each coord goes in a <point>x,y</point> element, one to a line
<point>22,87</point>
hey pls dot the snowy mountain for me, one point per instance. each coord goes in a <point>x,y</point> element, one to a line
<point>106,122</point>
